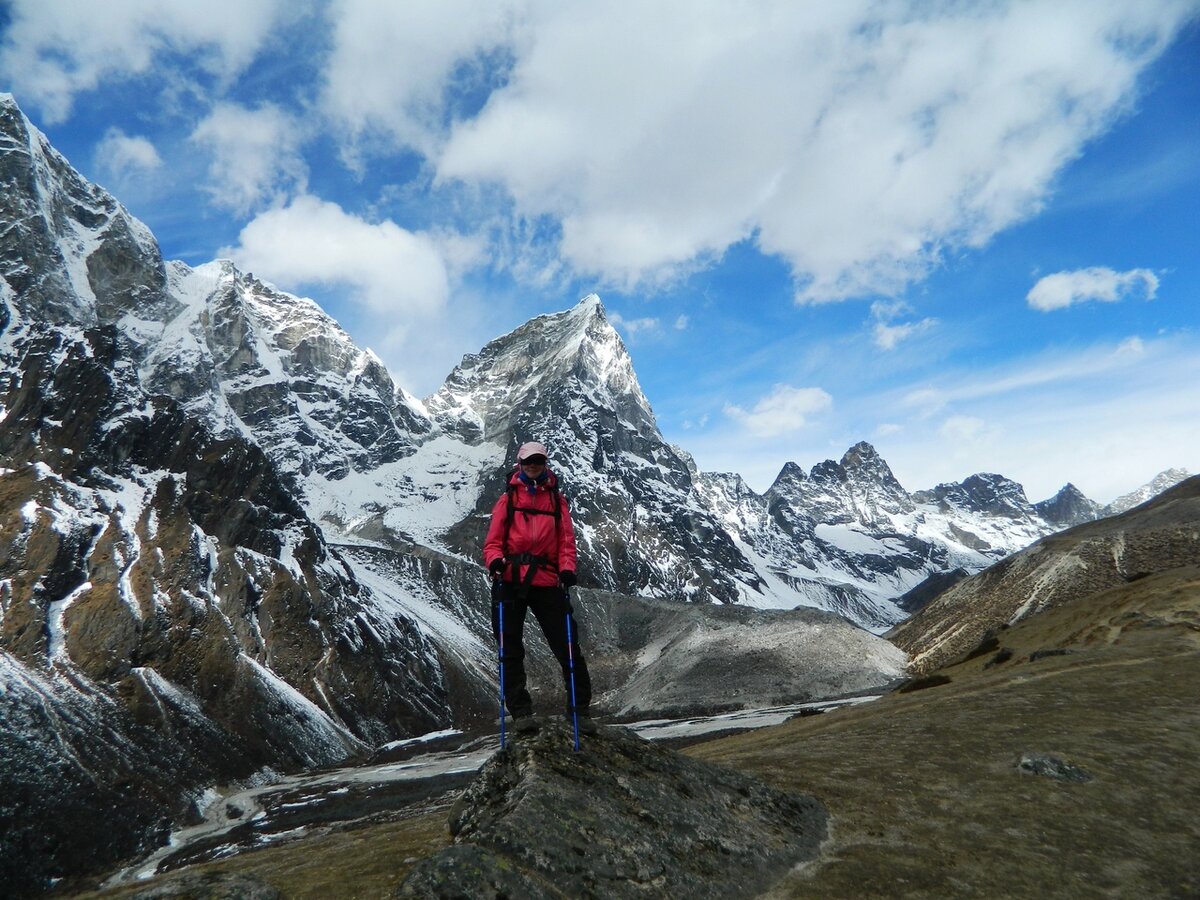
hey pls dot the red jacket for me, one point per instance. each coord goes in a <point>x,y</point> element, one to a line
<point>532,533</point>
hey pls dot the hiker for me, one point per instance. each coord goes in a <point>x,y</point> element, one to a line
<point>530,554</point>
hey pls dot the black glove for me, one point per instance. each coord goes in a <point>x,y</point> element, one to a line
<point>496,566</point>
<point>567,578</point>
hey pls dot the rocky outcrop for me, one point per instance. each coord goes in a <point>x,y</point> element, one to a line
<point>619,818</point>
<point>1157,537</point>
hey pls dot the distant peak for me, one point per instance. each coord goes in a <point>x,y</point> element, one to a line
<point>860,451</point>
<point>790,475</point>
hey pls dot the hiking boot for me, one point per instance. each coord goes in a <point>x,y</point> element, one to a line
<point>525,724</point>
<point>586,724</point>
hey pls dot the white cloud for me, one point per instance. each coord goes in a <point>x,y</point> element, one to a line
<point>1063,289</point>
<point>56,49</point>
<point>309,242</point>
<point>855,140</point>
<point>786,409</point>
<point>394,66</point>
<point>255,155</point>
<point>682,323</point>
<point>1107,419</point>
<point>925,400</point>
<point>634,327</point>
<point>1132,346</point>
<point>962,428</point>
<point>887,333</point>
<point>123,155</point>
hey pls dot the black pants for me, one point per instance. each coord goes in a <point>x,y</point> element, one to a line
<point>551,607</point>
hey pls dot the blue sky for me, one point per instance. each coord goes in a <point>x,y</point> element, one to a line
<point>967,233</point>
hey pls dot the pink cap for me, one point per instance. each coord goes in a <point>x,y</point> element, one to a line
<point>531,448</point>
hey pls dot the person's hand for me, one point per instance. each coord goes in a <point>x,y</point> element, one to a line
<point>496,566</point>
<point>567,578</point>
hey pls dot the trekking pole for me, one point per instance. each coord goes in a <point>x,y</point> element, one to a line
<point>498,596</point>
<point>571,668</point>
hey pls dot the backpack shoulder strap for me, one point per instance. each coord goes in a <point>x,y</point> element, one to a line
<point>509,516</point>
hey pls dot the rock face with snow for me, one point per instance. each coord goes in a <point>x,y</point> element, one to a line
<point>170,616</point>
<point>1069,507</point>
<point>1161,482</point>
<point>1156,537</point>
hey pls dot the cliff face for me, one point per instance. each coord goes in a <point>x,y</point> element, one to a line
<point>170,616</point>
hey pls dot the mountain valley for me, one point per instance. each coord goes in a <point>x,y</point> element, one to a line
<point>231,547</point>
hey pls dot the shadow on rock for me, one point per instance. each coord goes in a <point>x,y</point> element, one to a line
<point>619,818</point>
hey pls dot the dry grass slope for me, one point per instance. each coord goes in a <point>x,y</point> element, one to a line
<point>924,790</point>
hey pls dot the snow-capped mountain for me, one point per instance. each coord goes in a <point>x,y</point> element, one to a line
<point>230,542</point>
<point>1161,482</point>
<point>566,379</point>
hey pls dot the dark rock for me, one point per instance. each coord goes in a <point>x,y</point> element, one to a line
<point>1042,654</point>
<point>1068,507</point>
<point>989,643</point>
<point>986,492</point>
<point>920,684</point>
<point>620,818</point>
<point>1052,767</point>
<point>999,659</point>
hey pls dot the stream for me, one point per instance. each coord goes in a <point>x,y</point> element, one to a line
<point>404,774</point>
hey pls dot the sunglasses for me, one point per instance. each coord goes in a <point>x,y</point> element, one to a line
<point>534,461</point>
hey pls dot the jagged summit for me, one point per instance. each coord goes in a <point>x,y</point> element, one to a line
<point>576,351</point>
<point>984,491</point>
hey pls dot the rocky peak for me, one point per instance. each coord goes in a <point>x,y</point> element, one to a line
<point>1068,507</point>
<point>257,360</point>
<point>1161,482</point>
<point>790,474</point>
<point>861,488</point>
<point>987,493</point>
<point>576,353</point>
<point>864,462</point>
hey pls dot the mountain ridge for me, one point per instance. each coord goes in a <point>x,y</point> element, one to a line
<point>230,540</point>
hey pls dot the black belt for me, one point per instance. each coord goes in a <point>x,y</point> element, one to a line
<point>534,563</point>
